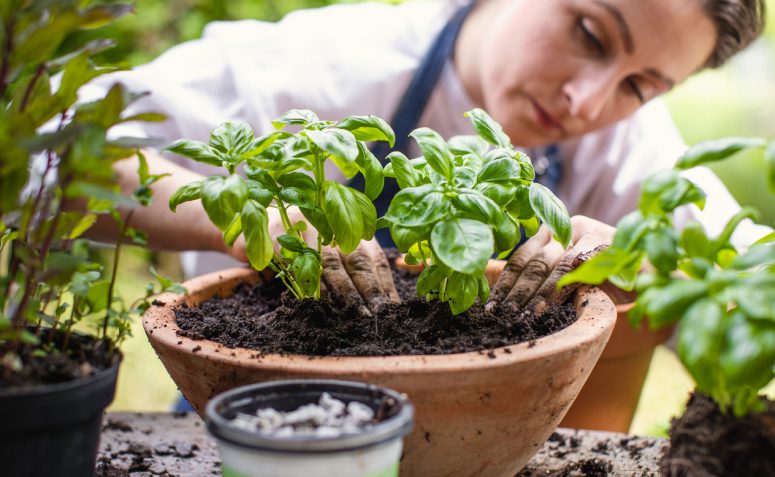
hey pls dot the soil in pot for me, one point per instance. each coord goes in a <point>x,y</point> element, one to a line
<point>704,442</point>
<point>268,319</point>
<point>84,357</point>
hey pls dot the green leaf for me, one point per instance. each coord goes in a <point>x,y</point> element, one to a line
<point>435,151</point>
<point>630,230</point>
<point>405,237</point>
<point>463,245</point>
<point>500,170</point>
<point>665,305</point>
<point>463,145</point>
<point>430,279</point>
<point>339,143</point>
<point>233,231</point>
<point>97,295</point>
<point>294,196</point>
<point>484,288</point>
<point>666,190</point>
<point>552,212</point>
<point>757,255</point>
<point>701,335</point>
<point>306,270</point>
<point>195,150</point>
<point>82,226</point>
<point>716,150</point>
<point>474,205</point>
<point>259,193</point>
<point>370,167</point>
<point>600,267</point>
<point>462,290</point>
<point>487,128</point>
<point>506,234</point>
<point>465,177</point>
<point>403,171</point>
<point>186,193</point>
<point>695,242</point>
<point>295,116</point>
<point>749,357</point>
<point>755,300</point>
<point>417,206</point>
<point>262,143</point>
<point>231,139</point>
<point>291,243</point>
<point>661,246</point>
<point>223,198</point>
<point>368,128</point>
<point>500,192</point>
<point>258,243</point>
<point>317,218</point>
<point>342,209</point>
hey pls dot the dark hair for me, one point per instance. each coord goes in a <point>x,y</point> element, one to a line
<point>738,23</point>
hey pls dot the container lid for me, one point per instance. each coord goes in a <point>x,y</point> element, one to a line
<point>288,395</point>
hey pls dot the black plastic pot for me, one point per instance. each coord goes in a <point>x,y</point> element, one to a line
<point>54,430</point>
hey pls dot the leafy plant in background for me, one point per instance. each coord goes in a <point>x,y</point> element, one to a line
<point>462,202</point>
<point>722,300</point>
<point>341,216</point>
<point>55,153</point>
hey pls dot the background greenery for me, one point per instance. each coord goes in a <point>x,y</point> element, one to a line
<point>738,99</point>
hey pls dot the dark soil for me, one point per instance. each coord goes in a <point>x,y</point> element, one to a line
<point>83,357</point>
<point>268,319</point>
<point>704,442</point>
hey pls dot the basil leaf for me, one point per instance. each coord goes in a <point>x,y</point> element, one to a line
<point>600,267</point>
<point>757,255</point>
<point>291,243</point>
<point>487,128</point>
<point>701,335</point>
<point>339,143</point>
<point>463,145</point>
<point>499,192</point>
<point>769,161</point>
<point>500,170</point>
<point>195,150</point>
<point>474,205</point>
<point>232,231</point>
<point>749,356</point>
<point>462,290</point>
<point>231,139</point>
<point>435,151</point>
<point>716,150</point>
<point>306,270</point>
<point>465,177</point>
<point>552,212</point>
<point>506,234</point>
<point>417,206</point>
<point>403,171</point>
<point>370,167</point>
<point>318,219</point>
<point>430,279</point>
<point>661,247</point>
<point>695,242</point>
<point>664,191</point>
<point>222,198</point>
<point>484,289</point>
<point>722,241</point>
<point>342,210</point>
<point>257,192</point>
<point>258,243</point>
<point>295,116</point>
<point>368,128</point>
<point>186,193</point>
<point>665,305</point>
<point>405,237</point>
<point>463,245</point>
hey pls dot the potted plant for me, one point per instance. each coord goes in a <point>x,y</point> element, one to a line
<point>467,403</point>
<point>55,379</point>
<point>722,301</point>
<point>307,427</point>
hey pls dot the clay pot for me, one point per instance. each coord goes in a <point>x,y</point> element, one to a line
<point>477,414</point>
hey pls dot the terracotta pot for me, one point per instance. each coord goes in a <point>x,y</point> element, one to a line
<point>475,415</point>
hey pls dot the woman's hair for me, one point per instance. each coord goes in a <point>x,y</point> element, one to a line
<point>738,23</point>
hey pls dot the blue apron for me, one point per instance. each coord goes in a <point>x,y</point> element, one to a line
<point>407,115</point>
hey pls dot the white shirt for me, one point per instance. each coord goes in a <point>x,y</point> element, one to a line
<point>254,71</point>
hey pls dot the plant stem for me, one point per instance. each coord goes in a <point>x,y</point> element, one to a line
<point>114,272</point>
<point>70,322</point>
<point>287,278</point>
<point>320,178</point>
<point>7,52</point>
<point>38,73</point>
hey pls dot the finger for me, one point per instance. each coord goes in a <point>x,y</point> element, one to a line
<point>338,282</point>
<point>533,276</point>
<point>548,294</point>
<point>361,267</point>
<point>516,265</point>
<point>383,271</point>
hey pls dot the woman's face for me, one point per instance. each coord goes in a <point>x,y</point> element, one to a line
<point>554,69</point>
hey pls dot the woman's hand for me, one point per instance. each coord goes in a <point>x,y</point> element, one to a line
<point>531,274</point>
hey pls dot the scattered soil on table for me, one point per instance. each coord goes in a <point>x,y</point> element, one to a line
<point>704,442</point>
<point>267,318</point>
<point>84,357</point>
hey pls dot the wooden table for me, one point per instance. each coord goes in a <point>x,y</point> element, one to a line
<point>166,444</point>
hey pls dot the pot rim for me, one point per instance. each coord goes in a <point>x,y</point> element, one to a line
<point>394,427</point>
<point>596,316</point>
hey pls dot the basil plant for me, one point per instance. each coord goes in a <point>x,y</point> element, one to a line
<point>722,300</point>
<point>462,202</point>
<point>274,166</point>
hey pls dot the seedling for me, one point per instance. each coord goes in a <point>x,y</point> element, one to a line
<point>722,300</point>
<point>340,215</point>
<point>462,202</point>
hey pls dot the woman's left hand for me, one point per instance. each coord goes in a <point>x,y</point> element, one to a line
<point>531,274</point>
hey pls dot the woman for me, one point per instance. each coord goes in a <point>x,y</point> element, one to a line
<point>572,81</point>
